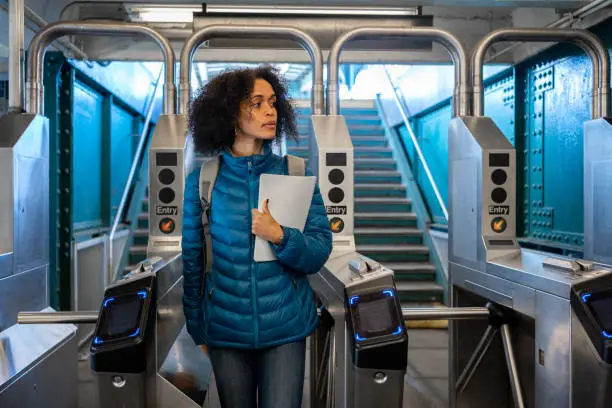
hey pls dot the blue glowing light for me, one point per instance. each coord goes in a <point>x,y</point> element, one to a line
<point>388,292</point>
<point>97,340</point>
<point>135,333</point>
<point>606,334</point>
<point>107,301</point>
<point>585,297</point>
<point>353,299</point>
<point>142,294</point>
<point>398,331</point>
<point>359,338</point>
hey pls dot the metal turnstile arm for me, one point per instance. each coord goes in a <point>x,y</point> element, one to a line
<point>56,317</point>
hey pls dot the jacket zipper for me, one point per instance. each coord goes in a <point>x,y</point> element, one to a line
<point>251,264</point>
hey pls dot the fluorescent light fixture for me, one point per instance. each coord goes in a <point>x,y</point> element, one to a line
<point>312,10</point>
<point>156,13</point>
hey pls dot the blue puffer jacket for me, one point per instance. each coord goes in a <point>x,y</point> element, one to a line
<point>248,304</point>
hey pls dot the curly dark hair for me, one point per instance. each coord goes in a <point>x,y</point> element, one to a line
<point>215,110</point>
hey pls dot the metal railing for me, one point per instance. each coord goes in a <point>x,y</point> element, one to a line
<point>415,142</point>
<point>138,157</point>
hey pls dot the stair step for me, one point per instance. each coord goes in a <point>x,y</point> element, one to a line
<point>377,176</point>
<point>412,270</point>
<point>395,253</point>
<point>380,190</point>
<point>381,219</point>
<point>359,151</point>
<point>376,140</point>
<point>419,291</point>
<point>367,163</point>
<point>382,204</point>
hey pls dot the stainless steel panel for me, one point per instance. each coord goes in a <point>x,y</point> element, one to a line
<point>120,390</point>
<point>43,361</point>
<point>170,136</point>
<point>6,201</point>
<point>88,278</point>
<point>185,374</point>
<point>518,297</point>
<point>378,388</point>
<point>330,135</point>
<point>6,264</point>
<point>526,268</point>
<point>26,291</point>
<point>170,320</point>
<point>598,190</point>
<point>552,346</point>
<point>119,244</point>
<point>464,209</point>
<point>22,346</point>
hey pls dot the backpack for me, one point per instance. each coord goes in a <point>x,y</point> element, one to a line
<point>296,166</point>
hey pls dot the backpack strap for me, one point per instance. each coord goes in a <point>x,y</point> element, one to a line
<point>296,166</point>
<point>208,176</point>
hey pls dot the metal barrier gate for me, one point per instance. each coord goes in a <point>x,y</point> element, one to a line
<point>341,373</point>
<point>558,326</point>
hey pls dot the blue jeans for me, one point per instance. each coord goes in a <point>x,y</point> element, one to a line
<point>274,376</point>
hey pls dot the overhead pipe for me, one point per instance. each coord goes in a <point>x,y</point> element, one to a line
<point>592,45</point>
<point>16,55</point>
<point>247,31</point>
<point>447,40</point>
<point>43,38</point>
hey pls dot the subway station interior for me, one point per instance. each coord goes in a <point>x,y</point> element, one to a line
<point>463,151</point>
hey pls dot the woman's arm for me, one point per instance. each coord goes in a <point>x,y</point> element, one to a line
<point>307,252</point>
<point>193,255</point>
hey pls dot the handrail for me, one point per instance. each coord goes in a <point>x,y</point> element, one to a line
<point>251,31</point>
<point>44,37</point>
<point>131,177</point>
<point>422,159</point>
<point>590,43</point>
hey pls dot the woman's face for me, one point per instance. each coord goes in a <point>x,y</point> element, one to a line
<point>257,117</point>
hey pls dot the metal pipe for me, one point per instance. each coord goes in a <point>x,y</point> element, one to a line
<point>142,142</point>
<point>417,148</point>
<point>242,9</point>
<point>16,56</point>
<point>41,41</point>
<point>444,38</point>
<point>475,359</point>
<point>244,31</point>
<point>588,42</point>
<point>515,384</point>
<point>56,317</point>
<point>444,313</point>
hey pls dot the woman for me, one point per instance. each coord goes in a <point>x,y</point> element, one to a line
<point>253,316</point>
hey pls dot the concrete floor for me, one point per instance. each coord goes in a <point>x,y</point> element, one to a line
<point>425,384</point>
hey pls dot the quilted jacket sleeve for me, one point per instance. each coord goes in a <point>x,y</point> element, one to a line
<point>193,256</point>
<point>307,252</point>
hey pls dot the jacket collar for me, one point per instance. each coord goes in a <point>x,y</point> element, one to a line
<point>259,162</point>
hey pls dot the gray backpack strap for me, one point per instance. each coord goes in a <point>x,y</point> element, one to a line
<point>296,166</point>
<point>208,175</point>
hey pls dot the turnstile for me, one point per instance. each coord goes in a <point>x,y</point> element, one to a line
<point>558,330</point>
<point>359,351</point>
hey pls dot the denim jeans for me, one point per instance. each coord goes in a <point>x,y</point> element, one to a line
<point>274,376</point>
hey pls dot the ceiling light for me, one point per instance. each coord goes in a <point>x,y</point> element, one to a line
<point>155,13</point>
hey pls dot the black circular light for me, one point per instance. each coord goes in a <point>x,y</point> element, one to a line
<point>499,177</point>
<point>335,195</point>
<point>336,176</point>
<point>499,195</point>
<point>166,176</point>
<point>166,195</point>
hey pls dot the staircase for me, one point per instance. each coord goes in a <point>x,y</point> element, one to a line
<point>385,226</point>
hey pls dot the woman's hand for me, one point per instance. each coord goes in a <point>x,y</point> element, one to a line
<point>266,227</point>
